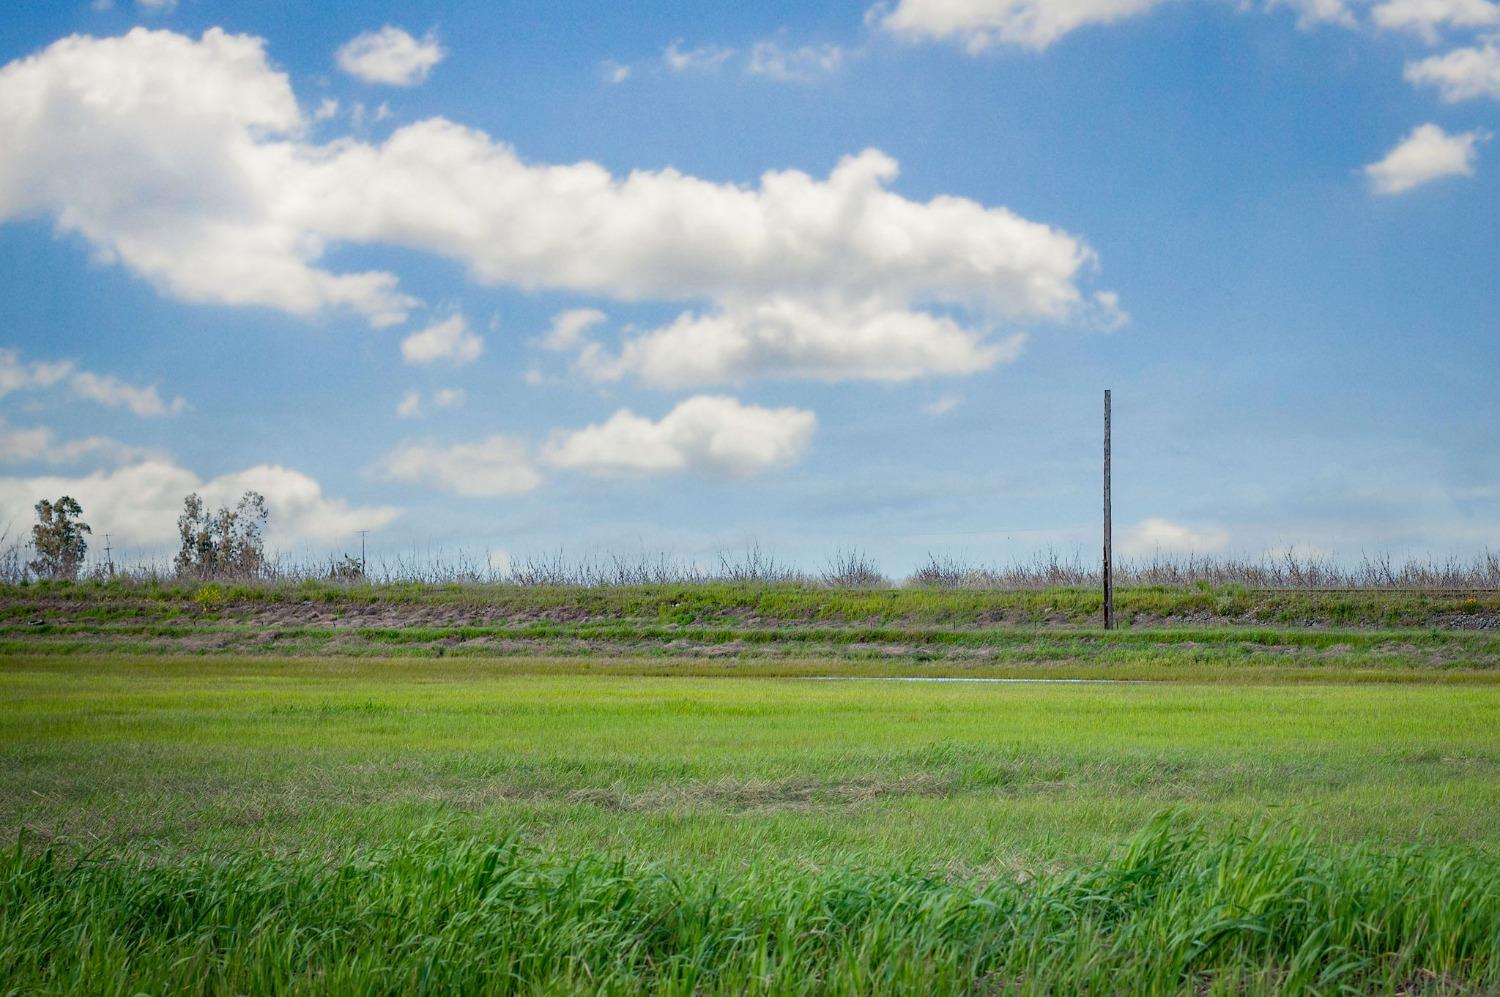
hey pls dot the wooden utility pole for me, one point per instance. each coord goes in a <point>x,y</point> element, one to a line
<point>1109,561</point>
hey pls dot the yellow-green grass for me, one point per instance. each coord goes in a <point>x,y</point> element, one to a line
<point>721,769</point>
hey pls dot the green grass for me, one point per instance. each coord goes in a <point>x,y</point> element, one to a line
<point>230,824</point>
<point>212,753</point>
<point>721,602</point>
<point>1172,911</point>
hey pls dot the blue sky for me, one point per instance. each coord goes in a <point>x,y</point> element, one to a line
<point>1270,230</point>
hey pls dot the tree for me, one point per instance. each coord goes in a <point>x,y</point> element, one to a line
<point>230,542</point>
<point>58,539</point>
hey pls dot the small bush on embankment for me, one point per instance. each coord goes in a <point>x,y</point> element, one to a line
<point>1174,910</point>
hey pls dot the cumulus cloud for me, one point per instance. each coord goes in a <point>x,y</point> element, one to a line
<point>410,405</point>
<point>498,465</point>
<point>803,64</point>
<point>1427,154</point>
<point>614,72</point>
<point>1156,535</point>
<point>186,161</point>
<point>1311,13</point>
<point>26,444</point>
<point>449,397</point>
<point>20,375</point>
<point>1424,18</point>
<point>704,59</point>
<point>708,433</point>
<point>943,405</point>
<point>1463,74</point>
<point>139,503</point>
<point>450,339</point>
<point>978,25</point>
<point>106,389</point>
<point>390,56</point>
<point>568,328</point>
<point>795,338</point>
<point>173,157</point>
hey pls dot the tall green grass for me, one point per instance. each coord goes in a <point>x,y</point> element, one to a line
<point>1269,911</point>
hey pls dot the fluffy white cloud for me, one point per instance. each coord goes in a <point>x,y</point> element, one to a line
<point>1427,154</point>
<point>614,72</point>
<point>704,59</point>
<point>803,64</point>
<point>410,405</point>
<point>106,389</point>
<point>390,56</point>
<point>139,504</point>
<point>499,465</point>
<point>796,338</point>
<point>568,328</point>
<point>1156,535</point>
<point>20,375</point>
<point>983,24</point>
<point>1424,18</point>
<point>451,340</point>
<point>710,434</point>
<point>211,192</point>
<point>172,157</point>
<point>1462,74</point>
<point>21,444</point>
<point>449,397</point>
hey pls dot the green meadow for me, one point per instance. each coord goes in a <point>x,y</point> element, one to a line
<point>208,798</point>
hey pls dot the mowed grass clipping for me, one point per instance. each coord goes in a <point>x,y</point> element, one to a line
<point>181,755</point>
<point>1173,911</point>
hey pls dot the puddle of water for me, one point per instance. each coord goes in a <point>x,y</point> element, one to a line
<point>959,678</point>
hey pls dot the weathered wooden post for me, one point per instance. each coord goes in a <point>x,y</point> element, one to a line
<point>1109,561</point>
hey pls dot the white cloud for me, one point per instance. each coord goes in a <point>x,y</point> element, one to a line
<point>795,338</point>
<point>982,24</point>
<point>22,444</point>
<point>1424,17</point>
<point>106,389</point>
<point>19,375</point>
<point>1156,535</point>
<point>328,108</point>
<point>614,72</point>
<point>157,6</point>
<point>450,339</point>
<point>704,59</point>
<point>410,405</point>
<point>708,433</point>
<point>169,155</point>
<point>1311,13</point>
<point>449,397</point>
<point>1427,154</point>
<point>804,64</point>
<point>1462,74</point>
<point>139,503</point>
<point>567,329</point>
<point>390,56</point>
<point>943,405</point>
<point>498,465</point>
<point>186,161</point>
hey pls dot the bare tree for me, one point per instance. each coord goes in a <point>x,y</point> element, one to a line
<point>58,539</point>
<point>229,542</point>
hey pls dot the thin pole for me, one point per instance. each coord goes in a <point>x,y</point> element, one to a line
<point>362,551</point>
<point>1109,581</point>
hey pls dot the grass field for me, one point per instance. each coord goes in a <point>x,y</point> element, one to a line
<point>1266,808</point>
